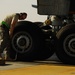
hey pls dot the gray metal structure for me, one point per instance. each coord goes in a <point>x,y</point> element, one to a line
<point>53,7</point>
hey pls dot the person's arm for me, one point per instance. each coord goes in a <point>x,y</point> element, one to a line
<point>13,23</point>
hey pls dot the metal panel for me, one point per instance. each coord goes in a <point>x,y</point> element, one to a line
<point>45,2</point>
<point>53,7</point>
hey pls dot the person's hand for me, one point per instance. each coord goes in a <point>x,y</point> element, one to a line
<point>10,34</point>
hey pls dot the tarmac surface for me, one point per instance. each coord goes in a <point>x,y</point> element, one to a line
<point>51,66</point>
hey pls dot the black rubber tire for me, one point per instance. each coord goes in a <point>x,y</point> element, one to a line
<point>40,24</point>
<point>66,44</point>
<point>49,43</point>
<point>38,49</point>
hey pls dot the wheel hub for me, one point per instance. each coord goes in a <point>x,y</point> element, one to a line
<point>21,42</point>
<point>72,43</point>
<point>69,45</point>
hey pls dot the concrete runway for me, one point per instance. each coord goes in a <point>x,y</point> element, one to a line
<point>52,66</point>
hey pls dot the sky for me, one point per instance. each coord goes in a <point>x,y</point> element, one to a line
<point>14,6</point>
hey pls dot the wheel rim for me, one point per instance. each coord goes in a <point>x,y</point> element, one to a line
<point>69,45</point>
<point>21,42</point>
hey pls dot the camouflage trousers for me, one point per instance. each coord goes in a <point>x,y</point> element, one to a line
<point>5,44</point>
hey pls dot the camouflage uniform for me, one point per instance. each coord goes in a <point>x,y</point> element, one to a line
<point>6,24</point>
